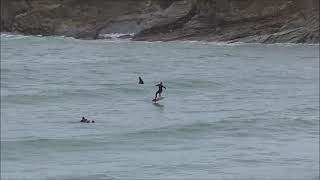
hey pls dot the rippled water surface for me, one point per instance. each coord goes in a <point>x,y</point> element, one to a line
<point>231,111</point>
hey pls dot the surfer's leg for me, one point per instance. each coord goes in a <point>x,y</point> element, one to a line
<point>156,94</point>
<point>160,92</point>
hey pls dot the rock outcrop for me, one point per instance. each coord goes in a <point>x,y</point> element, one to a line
<point>265,21</point>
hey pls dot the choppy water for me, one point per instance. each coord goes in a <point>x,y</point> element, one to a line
<point>232,111</point>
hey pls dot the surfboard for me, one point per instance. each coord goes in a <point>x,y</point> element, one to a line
<point>157,99</point>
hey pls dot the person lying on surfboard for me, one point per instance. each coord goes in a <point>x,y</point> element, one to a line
<point>84,120</point>
<point>159,90</point>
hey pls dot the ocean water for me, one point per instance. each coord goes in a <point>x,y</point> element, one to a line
<point>231,111</point>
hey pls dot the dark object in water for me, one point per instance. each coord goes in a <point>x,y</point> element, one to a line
<point>140,80</point>
<point>84,119</point>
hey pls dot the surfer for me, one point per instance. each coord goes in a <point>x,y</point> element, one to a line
<point>84,119</point>
<point>159,90</point>
<point>140,80</point>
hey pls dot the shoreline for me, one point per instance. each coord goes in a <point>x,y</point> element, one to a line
<point>218,43</point>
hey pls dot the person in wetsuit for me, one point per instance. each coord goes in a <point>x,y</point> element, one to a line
<point>84,119</point>
<point>159,90</point>
<point>140,80</point>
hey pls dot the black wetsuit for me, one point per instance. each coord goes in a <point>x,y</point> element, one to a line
<point>140,81</point>
<point>160,90</point>
<point>84,120</point>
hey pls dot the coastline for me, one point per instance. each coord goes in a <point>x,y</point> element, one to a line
<point>17,36</point>
<point>253,21</point>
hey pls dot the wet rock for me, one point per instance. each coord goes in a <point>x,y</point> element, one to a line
<point>266,21</point>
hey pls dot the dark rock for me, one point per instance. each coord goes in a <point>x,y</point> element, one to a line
<point>9,10</point>
<point>266,21</point>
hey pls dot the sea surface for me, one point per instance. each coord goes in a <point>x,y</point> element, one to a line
<point>231,111</point>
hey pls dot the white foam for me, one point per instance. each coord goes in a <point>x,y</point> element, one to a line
<point>228,43</point>
<point>116,35</point>
<point>12,36</point>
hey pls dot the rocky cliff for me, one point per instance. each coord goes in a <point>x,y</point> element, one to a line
<point>266,21</point>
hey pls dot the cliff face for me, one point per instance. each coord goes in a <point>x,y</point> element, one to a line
<point>267,21</point>
<point>77,18</point>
